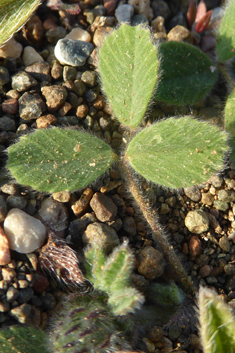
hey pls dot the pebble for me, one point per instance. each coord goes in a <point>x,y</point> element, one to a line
<point>180,34</point>
<point>142,7</point>
<point>124,13</point>
<point>197,221</point>
<point>8,274</point>
<point>129,225</point>
<point>22,81</point>
<point>73,52</point>
<point>81,205</point>
<point>164,208</point>
<point>205,271</point>
<point>46,120</point>
<point>102,236</point>
<point>103,206</point>
<point>12,294</point>
<point>53,35</point>
<point>221,205</point>
<point>10,106</point>
<point>4,75</point>
<point>61,196</point>
<point>31,106</point>
<point>193,193</point>
<point>56,70</point>
<point>7,124</point>
<point>55,96</point>
<point>25,294</point>
<point>89,78</point>
<point>226,195</point>
<point>54,214</point>
<point>40,71</point>
<point>79,34</point>
<point>229,269</point>
<point>5,254</point>
<point>69,73</point>
<point>3,208</point>
<point>11,49</point>
<point>216,180</point>
<point>30,56</point>
<point>152,263</point>
<point>161,8</point>
<point>224,244</point>
<point>78,227</point>
<point>195,246</point>
<point>100,34</point>
<point>27,314</point>
<point>207,198</point>
<point>24,232</point>
<point>14,201</point>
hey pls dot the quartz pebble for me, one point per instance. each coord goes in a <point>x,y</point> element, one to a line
<point>24,232</point>
<point>124,13</point>
<point>11,49</point>
<point>79,34</point>
<point>101,235</point>
<point>30,56</point>
<point>197,221</point>
<point>73,52</point>
<point>5,255</point>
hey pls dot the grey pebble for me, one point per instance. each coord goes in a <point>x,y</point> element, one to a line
<point>3,208</point>
<point>4,76</point>
<point>226,195</point>
<point>25,294</point>
<point>101,235</point>
<point>31,106</point>
<point>73,52</point>
<point>78,227</point>
<point>54,214</point>
<point>193,193</point>
<point>79,87</point>
<point>7,124</point>
<point>67,120</point>
<point>22,81</point>
<point>90,95</point>
<point>69,73</point>
<point>40,71</point>
<point>211,280</point>
<point>129,225</point>
<point>89,78</point>
<point>197,221</point>
<point>139,19</point>
<point>124,13</point>
<point>16,202</point>
<point>54,34</point>
<point>103,206</point>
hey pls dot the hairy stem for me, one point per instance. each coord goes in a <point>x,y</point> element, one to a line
<point>226,75</point>
<point>158,233</point>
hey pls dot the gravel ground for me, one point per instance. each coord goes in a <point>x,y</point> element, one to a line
<point>39,91</point>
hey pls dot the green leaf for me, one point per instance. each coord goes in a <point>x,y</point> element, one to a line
<point>229,114</point>
<point>53,160</point>
<point>128,69</point>
<point>225,41</point>
<point>178,152</point>
<point>217,324</point>
<point>23,339</point>
<point>186,74</point>
<point>95,261</point>
<point>13,15</point>
<point>125,301</point>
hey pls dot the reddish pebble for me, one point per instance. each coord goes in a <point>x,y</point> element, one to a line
<point>41,282</point>
<point>195,246</point>
<point>10,106</point>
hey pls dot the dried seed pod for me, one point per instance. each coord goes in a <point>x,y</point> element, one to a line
<point>61,262</point>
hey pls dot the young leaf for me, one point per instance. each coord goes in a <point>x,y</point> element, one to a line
<point>187,74</point>
<point>229,122</point>
<point>53,160</point>
<point>95,261</point>
<point>22,339</point>
<point>13,15</point>
<point>178,152</point>
<point>125,301</point>
<point>128,69</point>
<point>225,41</point>
<point>217,324</point>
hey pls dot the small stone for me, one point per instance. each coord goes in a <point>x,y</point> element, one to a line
<point>4,306</point>
<point>22,81</point>
<point>7,124</point>
<point>53,35</point>
<point>10,106</point>
<point>4,75</point>
<point>100,34</point>
<point>89,78</point>
<point>24,232</point>
<point>69,73</point>
<point>73,52</point>
<point>226,195</point>
<point>11,49</point>
<point>161,8</point>
<point>46,120</point>
<point>193,193</point>
<point>54,214</point>
<point>197,221</point>
<point>64,109</point>
<point>158,24</point>
<point>5,255</point>
<point>152,263</point>
<point>25,294</point>
<point>8,274</point>
<point>82,111</point>
<point>56,71</point>
<point>207,198</point>
<point>81,206</point>
<point>216,181</point>
<point>40,283</point>
<point>164,208</point>
<point>221,205</point>
<point>104,208</point>
<point>195,246</point>
<point>180,34</point>
<point>40,71</point>
<point>12,294</point>
<point>224,243</point>
<point>61,196</point>
<point>3,208</point>
<point>142,7</point>
<point>79,34</point>
<point>229,269</point>
<point>55,96</point>
<point>124,13</point>
<point>27,314</point>
<point>30,56</point>
<point>14,201</point>
<point>31,106</point>
<point>101,235</point>
<point>22,285</point>
<point>78,227</point>
<point>171,201</point>
<point>205,271</point>
<point>129,225</point>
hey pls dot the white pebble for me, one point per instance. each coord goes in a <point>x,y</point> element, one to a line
<point>30,56</point>
<point>5,255</point>
<point>79,34</point>
<point>12,48</point>
<point>24,232</point>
